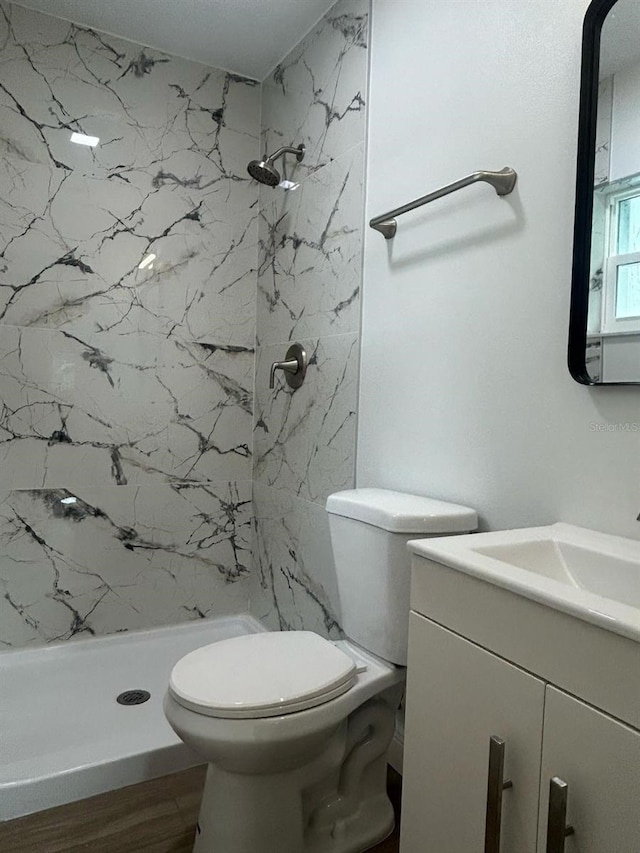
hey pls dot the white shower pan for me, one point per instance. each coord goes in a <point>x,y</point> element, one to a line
<point>63,735</point>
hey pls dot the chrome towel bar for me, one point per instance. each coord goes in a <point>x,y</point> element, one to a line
<point>503,183</point>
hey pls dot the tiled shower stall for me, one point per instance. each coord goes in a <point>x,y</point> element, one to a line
<point>146,284</point>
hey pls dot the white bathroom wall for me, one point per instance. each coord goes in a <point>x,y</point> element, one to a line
<point>465,394</point>
<point>625,123</point>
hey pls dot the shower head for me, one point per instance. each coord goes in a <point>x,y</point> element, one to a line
<point>265,172</point>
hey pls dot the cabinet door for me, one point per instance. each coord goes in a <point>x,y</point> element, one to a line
<point>599,760</point>
<point>458,696</point>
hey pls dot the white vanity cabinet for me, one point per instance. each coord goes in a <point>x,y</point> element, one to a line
<point>599,759</point>
<point>460,695</point>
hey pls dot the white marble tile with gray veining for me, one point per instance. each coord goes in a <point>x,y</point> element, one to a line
<point>128,276</point>
<point>603,131</point>
<point>304,440</point>
<point>168,179</point>
<point>593,357</point>
<point>310,263</point>
<point>317,94</point>
<point>143,105</point>
<point>103,560</point>
<point>132,409</point>
<point>69,263</point>
<point>294,586</point>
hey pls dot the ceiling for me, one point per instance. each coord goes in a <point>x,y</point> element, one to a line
<point>620,45</point>
<point>248,37</point>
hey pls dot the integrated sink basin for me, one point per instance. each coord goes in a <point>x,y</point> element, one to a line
<point>582,568</point>
<point>591,575</point>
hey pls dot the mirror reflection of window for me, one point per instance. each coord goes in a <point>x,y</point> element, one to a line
<point>613,343</point>
<point>622,281</point>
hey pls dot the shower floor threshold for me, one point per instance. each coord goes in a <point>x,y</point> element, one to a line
<point>65,737</point>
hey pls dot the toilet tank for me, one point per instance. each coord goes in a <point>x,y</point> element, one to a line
<point>370,529</point>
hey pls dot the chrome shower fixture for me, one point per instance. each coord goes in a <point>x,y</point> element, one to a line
<point>265,172</point>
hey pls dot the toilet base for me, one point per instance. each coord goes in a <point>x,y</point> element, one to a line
<point>336,802</point>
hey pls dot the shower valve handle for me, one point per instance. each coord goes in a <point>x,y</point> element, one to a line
<point>294,367</point>
<point>291,366</point>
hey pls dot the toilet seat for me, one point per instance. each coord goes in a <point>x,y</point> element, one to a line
<point>262,675</point>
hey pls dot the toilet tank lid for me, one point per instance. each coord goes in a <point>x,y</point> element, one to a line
<point>398,512</point>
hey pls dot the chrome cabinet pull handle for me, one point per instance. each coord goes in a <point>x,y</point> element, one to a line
<point>557,829</point>
<point>496,784</point>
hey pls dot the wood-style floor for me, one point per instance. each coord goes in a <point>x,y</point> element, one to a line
<point>394,786</point>
<point>154,817</point>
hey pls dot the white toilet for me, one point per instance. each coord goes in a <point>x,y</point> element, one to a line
<point>296,728</point>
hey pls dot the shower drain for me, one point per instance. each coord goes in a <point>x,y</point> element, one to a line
<point>133,697</point>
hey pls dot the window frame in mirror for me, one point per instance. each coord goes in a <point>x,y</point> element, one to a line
<point>580,278</point>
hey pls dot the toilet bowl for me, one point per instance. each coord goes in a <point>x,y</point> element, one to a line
<point>288,781</point>
<point>295,728</point>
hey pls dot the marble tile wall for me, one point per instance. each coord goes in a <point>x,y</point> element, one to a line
<point>594,357</point>
<point>603,131</point>
<point>309,286</point>
<point>126,393</point>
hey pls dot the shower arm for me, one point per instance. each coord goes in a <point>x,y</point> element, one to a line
<point>286,149</point>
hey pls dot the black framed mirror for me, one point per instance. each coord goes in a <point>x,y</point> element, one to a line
<point>604,331</point>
